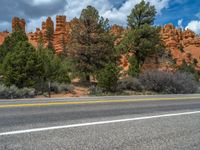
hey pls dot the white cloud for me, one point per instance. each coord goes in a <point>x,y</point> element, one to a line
<point>105,7</point>
<point>39,2</point>
<point>35,23</point>
<point>180,23</point>
<point>194,26</point>
<point>107,10</point>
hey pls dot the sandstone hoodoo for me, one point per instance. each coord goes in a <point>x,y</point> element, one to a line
<point>41,33</point>
<point>61,33</point>
<point>18,23</point>
<point>182,44</point>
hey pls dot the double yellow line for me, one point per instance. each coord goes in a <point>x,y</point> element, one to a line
<point>94,102</point>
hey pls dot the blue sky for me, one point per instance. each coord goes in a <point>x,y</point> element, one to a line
<point>186,10</point>
<point>182,13</point>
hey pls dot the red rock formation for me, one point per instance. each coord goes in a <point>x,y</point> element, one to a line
<point>42,33</point>
<point>18,23</point>
<point>3,35</point>
<point>61,35</point>
<point>181,44</point>
<point>118,32</point>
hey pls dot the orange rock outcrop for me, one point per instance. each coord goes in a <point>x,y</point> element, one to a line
<point>61,34</point>
<point>41,34</point>
<point>182,44</point>
<point>3,35</point>
<point>18,23</point>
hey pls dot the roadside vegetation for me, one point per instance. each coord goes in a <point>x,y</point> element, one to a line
<point>27,71</point>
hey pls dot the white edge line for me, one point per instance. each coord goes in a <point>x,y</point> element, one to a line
<point>95,123</point>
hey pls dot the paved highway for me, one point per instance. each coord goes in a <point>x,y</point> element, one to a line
<point>168,122</point>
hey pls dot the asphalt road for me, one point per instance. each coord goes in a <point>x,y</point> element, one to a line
<point>168,122</point>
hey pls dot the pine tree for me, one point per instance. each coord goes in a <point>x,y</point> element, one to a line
<point>142,39</point>
<point>91,47</point>
<point>11,41</point>
<point>143,13</point>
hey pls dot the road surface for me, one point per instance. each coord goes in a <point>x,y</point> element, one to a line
<point>168,122</point>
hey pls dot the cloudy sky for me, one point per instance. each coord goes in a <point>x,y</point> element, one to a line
<point>182,13</point>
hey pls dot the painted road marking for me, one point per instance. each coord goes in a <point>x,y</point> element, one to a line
<point>96,123</point>
<point>94,102</point>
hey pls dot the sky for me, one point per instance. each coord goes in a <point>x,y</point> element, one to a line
<point>182,13</point>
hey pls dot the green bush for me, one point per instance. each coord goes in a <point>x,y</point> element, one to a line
<point>168,82</point>
<point>108,77</point>
<point>130,83</point>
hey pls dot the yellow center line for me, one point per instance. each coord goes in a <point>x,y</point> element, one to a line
<point>95,102</point>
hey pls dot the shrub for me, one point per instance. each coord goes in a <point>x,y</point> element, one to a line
<point>3,91</point>
<point>61,87</point>
<point>14,92</point>
<point>130,83</point>
<point>108,77</point>
<point>95,90</point>
<point>168,82</point>
<point>27,93</point>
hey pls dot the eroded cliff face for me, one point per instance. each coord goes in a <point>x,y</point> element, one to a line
<point>40,35</point>
<point>17,24</point>
<point>183,45</point>
<point>61,34</point>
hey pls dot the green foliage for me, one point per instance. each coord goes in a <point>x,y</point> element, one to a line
<point>108,77</point>
<point>134,68</point>
<point>190,68</point>
<point>91,47</point>
<point>89,16</point>
<point>26,67</point>
<point>49,36</point>
<point>142,14</point>
<point>143,42</point>
<point>10,42</point>
<point>142,39</point>
<point>54,69</point>
<point>21,67</point>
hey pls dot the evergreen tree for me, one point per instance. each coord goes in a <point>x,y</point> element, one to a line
<point>10,42</point>
<point>91,47</point>
<point>54,69</point>
<point>21,67</point>
<point>142,39</point>
<point>108,77</point>
<point>49,36</point>
<point>143,13</point>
